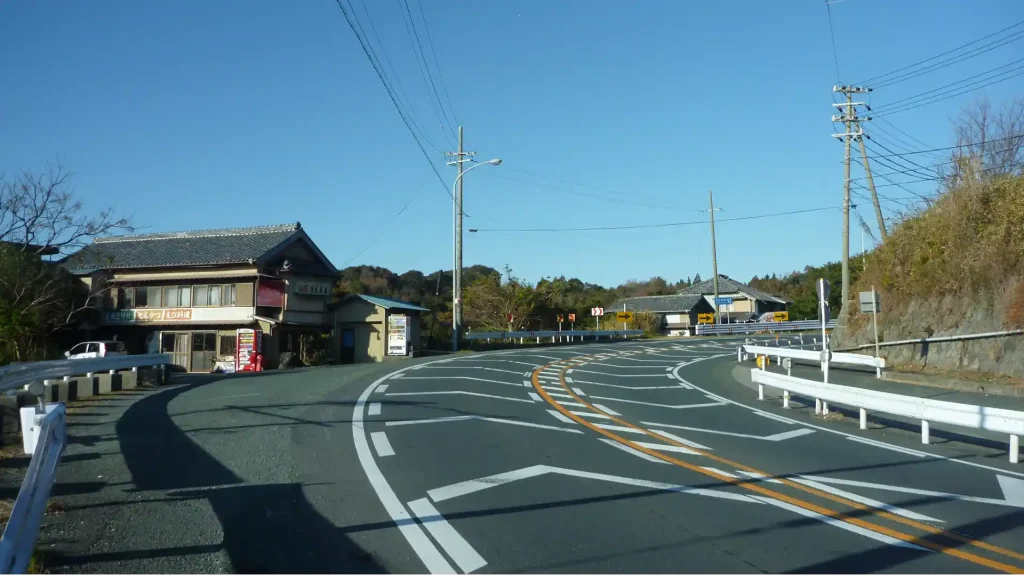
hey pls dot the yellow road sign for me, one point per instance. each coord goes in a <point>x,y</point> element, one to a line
<point>705,318</point>
<point>624,316</point>
<point>781,316</point>
<point>763,361</point>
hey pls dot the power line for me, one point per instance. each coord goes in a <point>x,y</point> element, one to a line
<point>832,35</point>
<point>924,95</point>
<point>965,145</point>
<point>433,54</point>
<point>428,78</point>
<point>908,160</point>
<point>958,48</point>
<point>950,62</point>
<point>581,194</point>
<point>650,226</point>
<point>941,97</point>
<point>895,127</point>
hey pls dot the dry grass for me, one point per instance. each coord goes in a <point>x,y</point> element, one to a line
<point>968,242</point>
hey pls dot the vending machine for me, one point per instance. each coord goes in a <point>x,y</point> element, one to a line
<point>249,350</point>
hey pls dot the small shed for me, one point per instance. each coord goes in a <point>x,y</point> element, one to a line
<point>374,329</point>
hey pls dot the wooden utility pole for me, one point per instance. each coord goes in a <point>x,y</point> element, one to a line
<point>714,254</point>
<point>848,118</point>
<point>871,185</point>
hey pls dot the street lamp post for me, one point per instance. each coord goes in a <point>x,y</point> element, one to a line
<point>457,252</point>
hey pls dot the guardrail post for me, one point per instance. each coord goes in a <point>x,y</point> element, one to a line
<point>88,374</point>
<point>1014,449</point>
<point>739,354</point>
<point>863,418</point>
<point>67,378</point>
<point>878,372</point>
<point>538,339</point>
<point>112,372</point>
<point>785,399</point>
<point>824,408</point>
<point>760,392</point>
<point>924,432</point>
<point>817,407</point>
<point>135,370</point>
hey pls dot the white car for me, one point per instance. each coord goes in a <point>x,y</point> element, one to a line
<point>88,349</point>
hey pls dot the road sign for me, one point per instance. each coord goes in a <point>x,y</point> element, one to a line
<point>509,316</point>
<point>572,317</point>
<point>624,316</point>
<point>723,301</point>
<point>763,361</point>
<point>781,316</point>
<point>705,318</point>
<point>597,311</point>
<point>866,305</point>
<point>561,318</point>
<point>824,289</point>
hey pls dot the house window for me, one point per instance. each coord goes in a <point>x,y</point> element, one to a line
<point>126,298</point>
<point>177,296</point>
<point>201,295</point>
<point>227,344</point>
<point>147,297</point>
<point>215,295</point>
<point>229,294</point>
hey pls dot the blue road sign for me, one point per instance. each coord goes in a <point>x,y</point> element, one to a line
<point>723,301</point>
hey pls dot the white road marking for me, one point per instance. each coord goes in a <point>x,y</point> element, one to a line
<point>554,388</point>
<point>431,557</point>
<point>454,544</point>
<point>480,418</point>
<point>579,392</point>
<point>664,447</point>
<point>685,385</point>
<point>568,404</point>
<point>866,501</point>
<point>473,393</point>
<point>570,370</point>
<point>776,437</point>
<point>723,473</point>
<point>560,417</point>
<point>544,375</point>
<point>895,448</point>
<point>1013,490</point>
<point>381,444</point>
<point>854,437</point>
<point>374,408</point>
<point>589,414</point>
<point>630,366</point>
<point>475,485</point>
<point>839,523</point>
<point>535,397</point>
<point>493,361</point>
<point>607,410</point>
<point>383,387</point>
<point>620,374</point>
<point>399,375</point>
<point>678,439</point>
<point>761,476</point>
<point>779,418</point>
<point>562,395</point>
<point>621,428</point>
<point>684,406</point>
<point>630,387</point>
<point>661,361</point>
<point>472,367</point>
<point>630,450</point>
<point>466,377</point>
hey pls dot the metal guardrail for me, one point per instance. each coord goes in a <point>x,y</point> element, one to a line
<point>760,327</point>
<point>926,410</point>
<point>940,339</point>
<point>17,375</point>
<point>503,335</point>
<point>19,536</point>
<point>809,355</point>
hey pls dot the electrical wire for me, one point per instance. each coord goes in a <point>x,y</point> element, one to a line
<point>1013,137</point>
<point>583,194</point>
<point>433,54</point>
<point>651,226</point>
<point>958,48</point>
<point>898,163</point>
<point>832,35</point>
<point>895,127</point>
<point>950,93</point>
<point>903,101</point>
<point>424,69</point>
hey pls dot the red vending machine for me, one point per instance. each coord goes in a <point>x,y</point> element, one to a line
<point>249,350</point>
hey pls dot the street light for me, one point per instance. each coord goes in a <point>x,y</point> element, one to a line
<point>456,268</point>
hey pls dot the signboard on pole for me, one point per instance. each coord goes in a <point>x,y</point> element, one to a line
<point>705,318</point>
<point>870,302</point>
<point>572,317</point>
<point>624,316</point>
<point>398,334</point>
<point>723,301</point>
<point>781,316</point>
<point>560,317</point>
<point>597,311</point>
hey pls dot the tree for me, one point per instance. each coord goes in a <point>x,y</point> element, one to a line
<point>990,143</point>
<point>696,279</point>
<point>487,302</point>
<point>40,217</point>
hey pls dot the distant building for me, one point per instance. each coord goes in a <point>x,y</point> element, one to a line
<point>187,293</point>
<point>747,303</point>
<point>678,312</point>
<point>372,329</point>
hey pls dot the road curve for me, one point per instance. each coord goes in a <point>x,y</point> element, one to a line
<point>641,456</point>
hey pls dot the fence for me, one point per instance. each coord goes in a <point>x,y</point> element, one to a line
<point>19,374</point>
<point>808,355</point>
<point>553,334</point>
<point>760,327</point>
<point>926,410</point>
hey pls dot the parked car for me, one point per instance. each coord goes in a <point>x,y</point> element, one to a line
<point>88,349</point>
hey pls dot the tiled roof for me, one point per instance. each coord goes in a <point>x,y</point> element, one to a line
<point>657,303</point>
<point>729,285</point>
<point>388,303</point>
<point>172,249</point>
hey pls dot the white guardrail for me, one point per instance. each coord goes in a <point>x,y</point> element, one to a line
<point>553,334</point>
<point>759,327</point>
<point>19,374</point>
<point>810,355</point>
<point>926,410</point>
<point>46,439</point>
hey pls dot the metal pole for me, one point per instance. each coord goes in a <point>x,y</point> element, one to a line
<point>874,320</point>
<point>846,200</point>
<point>714,253</point>
<point>457,271</point>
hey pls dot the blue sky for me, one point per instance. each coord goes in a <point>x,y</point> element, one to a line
<point>192,115</point>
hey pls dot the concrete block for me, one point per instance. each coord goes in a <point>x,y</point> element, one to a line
<point>10,406</point>
<point>125,380</point>
<point>102,383</point>
<point>57,391</point>
<point>84,387</point>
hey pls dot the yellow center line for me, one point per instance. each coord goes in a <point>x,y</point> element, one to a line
<point>746,484</point>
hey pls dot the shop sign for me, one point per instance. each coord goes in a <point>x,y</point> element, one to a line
<point>270,293</point>
<point>398,334</point>
<point>211,314</point>
<point>312,288</point>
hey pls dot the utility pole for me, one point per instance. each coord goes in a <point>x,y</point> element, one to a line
<point>871,182</point>
<point>714,254</point>
<point>460,157</point>
<point>848,118</point>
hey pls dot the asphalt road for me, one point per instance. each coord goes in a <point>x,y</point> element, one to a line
<point>619,457</point>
